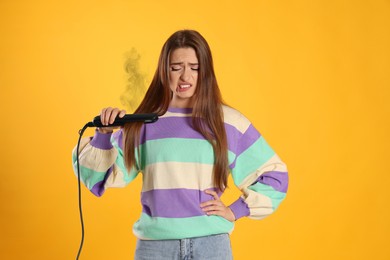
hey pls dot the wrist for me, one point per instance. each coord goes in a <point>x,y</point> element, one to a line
<point>104,130</point>
<point>239,208</point>
<point>101,140</point>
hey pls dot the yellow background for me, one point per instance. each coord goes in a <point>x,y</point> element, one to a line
<point>313,77</point>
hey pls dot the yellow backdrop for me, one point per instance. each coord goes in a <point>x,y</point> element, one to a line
<point>313,77</point>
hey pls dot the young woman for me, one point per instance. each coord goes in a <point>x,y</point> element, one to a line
<point>185,158</point>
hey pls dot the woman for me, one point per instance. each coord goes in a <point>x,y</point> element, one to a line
<point>185,158</point>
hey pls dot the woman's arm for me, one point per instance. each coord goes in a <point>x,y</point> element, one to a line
<point>261,176</point>
<point>101,157</point>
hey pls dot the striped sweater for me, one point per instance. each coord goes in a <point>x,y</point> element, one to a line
<point>176,163</point>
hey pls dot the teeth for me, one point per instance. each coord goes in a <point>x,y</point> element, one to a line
<point>184,86</point>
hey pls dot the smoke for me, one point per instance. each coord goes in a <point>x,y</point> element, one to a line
<point>136,81</point>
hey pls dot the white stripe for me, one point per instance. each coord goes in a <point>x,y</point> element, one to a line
<point>97,159</point>
<point>116,179</point>
<point>177,175</point>
<point>259,205</point>
<point>236,119</point>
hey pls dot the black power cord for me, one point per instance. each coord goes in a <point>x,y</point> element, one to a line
<point>81,132</point>
<point>128,118</point>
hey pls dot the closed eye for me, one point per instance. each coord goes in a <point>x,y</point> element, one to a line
<point>175,68</point>
<point>178,68</point>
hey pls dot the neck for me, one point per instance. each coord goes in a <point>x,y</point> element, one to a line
<point>181,103</point>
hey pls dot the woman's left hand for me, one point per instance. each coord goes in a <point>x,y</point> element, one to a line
<point>216,207</point>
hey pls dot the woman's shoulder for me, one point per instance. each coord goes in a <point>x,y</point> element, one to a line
<point>235,118</point>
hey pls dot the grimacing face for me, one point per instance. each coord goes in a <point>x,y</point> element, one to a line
<point>183,76</point>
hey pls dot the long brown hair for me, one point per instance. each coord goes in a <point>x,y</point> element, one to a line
<point>207,114</point>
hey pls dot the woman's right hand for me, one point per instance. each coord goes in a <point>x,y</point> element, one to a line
<point>107,117</point>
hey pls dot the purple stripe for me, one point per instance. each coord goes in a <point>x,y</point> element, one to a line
<point>233,164</point>
<point>101,141</point>
<point>174,203</point>
<point>242,141</point>
<point>250,136</point>
<point>240,208</point>
<point>277,180</point>
<point>170,127</point>
<point>98,188</point>
<point>232,135</point>
<point>181,127</point>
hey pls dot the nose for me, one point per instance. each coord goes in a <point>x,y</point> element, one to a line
<point>186,75</point>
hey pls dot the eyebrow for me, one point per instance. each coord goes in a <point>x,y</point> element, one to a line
<point>180,63</point>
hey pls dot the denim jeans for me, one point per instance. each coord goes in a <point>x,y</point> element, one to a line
<point>215,247</point>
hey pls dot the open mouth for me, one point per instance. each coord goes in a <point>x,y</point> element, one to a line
<point>183,87</point>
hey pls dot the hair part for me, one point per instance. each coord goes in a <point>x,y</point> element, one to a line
<point>207,114</point>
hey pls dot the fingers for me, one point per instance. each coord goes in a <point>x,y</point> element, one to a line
<point>216,207</point>
<point>216,201</point>
<point>212,206</point>
<point>212,193</point>
<point>122,113</point>
<point>108,115</point>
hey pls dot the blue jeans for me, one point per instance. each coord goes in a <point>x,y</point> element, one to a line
<point>215,247</point>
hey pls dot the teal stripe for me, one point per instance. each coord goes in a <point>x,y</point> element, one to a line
<point>231,157</point>
<point>89,176</point>
<point>276,196</point>
<point>116,145</point>
<point>177,150</point>
<point>251,160</point>
<point>74,157</point>
<point>120,163</point>
<point>119,159</point>
<point>178,228</point>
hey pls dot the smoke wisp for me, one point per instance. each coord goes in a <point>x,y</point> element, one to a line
<point>136,81</point>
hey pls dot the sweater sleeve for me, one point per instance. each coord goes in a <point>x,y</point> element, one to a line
<point>260,175</point>
<point>102,163</point>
